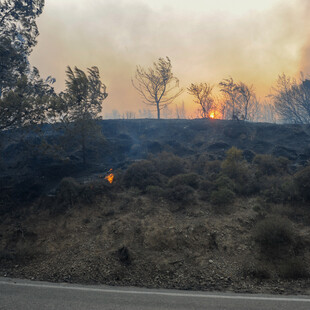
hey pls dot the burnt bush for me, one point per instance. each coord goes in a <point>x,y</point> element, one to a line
<point>180,193</point>
<point>275,236</point>
<point>68,191</point>
<point>293,268</point>
<point>302,181</point>
<point>141,175</point>
<point>190,179</point>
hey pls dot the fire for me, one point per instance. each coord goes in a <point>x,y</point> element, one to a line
<point>110,177</point>
<point>212,115</point>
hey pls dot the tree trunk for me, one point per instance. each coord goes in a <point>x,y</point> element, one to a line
<point>158,111</point>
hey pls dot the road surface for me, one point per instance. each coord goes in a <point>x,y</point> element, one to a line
<point>30,295</point>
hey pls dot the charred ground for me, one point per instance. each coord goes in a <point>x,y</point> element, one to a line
<point>195,204</point>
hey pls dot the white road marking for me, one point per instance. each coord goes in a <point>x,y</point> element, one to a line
<point>171,294</point>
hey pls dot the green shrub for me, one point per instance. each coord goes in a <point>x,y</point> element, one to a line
<point>237,169</point>
<point>275,236</point>
<point>233,163</point>
<point>180,193</point>
<point>302,181</point>
<point>224,182</point>
<point>222,197</point>
<point>141,175</point>
<point>190,179</point>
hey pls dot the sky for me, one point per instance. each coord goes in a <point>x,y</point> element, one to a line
<point>206,40</point>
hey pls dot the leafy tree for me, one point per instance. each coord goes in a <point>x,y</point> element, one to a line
<point>23,94</point>
<point>202,93</point>
<point>18,33</point>
<point>80,105</point>
<point>157,85</point>
<point>28,103</point>
<point>292,99</point>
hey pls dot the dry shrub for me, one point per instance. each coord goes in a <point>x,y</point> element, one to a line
<point>191,179</point>
<point>275,236</point>
<point>255,270</point>
<point>205,189</point>
<point>180,193</point>
<point>169,164</point>
<point>155,192</point>
<point>278,189</point>
<point>222,197</point>
<point>302,181</point>
<point>270,165</point>
<point>70,192</point>
<point>212,168</point>
<point>141,175</point>
<point>224,182</point>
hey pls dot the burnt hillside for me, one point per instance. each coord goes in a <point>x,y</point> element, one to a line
<point>194,204</point>
<point>28,169</point>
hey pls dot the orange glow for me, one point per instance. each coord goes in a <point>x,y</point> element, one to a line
<point>212,115</point>
<point>110,177</point>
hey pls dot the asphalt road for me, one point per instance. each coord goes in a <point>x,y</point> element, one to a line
<point>24,295</point>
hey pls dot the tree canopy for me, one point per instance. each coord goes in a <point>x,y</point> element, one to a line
<point>18,33</point>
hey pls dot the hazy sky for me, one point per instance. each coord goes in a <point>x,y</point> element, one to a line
<point>206,40</point>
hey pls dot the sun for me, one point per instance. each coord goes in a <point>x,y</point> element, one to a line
<point>212,115</point>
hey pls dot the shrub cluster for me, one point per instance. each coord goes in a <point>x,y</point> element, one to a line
<point>218,182</point>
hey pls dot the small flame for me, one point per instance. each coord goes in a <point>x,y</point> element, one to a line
<point>212,115</point>
<point>110,177</point>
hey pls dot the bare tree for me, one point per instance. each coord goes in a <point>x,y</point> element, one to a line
<point>157,85</point>
<point>202,93</point>
<point>241,101</point>
<point>291,99</point>
<point>229,88</point>
<point>246,100</point>
<point>180,111</point>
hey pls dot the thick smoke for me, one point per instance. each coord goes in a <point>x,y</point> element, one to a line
<point>305,51</point>
<point>206,47</point>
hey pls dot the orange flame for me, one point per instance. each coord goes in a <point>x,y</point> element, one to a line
<point>110,177</point>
